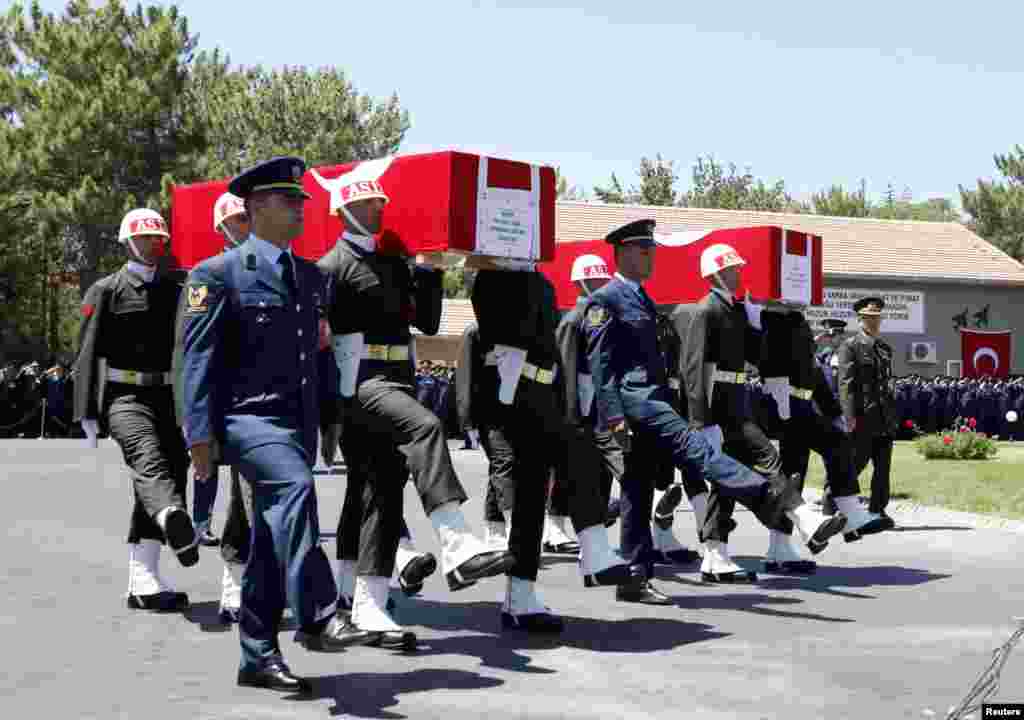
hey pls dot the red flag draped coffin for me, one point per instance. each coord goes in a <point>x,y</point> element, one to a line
<point>439,202</point>
<point>782,264</point>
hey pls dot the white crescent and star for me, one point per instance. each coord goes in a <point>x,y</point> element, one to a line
<point>985,352</point>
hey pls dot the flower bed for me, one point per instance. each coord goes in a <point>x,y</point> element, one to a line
<point>962,442</point>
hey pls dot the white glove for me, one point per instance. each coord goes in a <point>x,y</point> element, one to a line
<point>840,424</point>
<point>348,351</point>
<point>91,428</point>
<point>778,388</point>
<point>585,392</point>
<point>753,312</point>
<point>510,370</point>
<point>474,438</point>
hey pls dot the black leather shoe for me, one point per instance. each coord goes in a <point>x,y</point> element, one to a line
<point>181,536</point>
<point>832,526</point>
<point>681,556</point>
<point>338,635</point>
<point>163,601</point>
<point>665,510</point>
<point>735,577</point>
<point>208,539</point>
<point>567,548</point>
<point>229,615</point>
<point>478,567</point>
<point>871,528</point>
<point>614,511</point>
<point>274,676</point>
<point>641,591</point>
<point>543,622</point>
<point>394,640</point>
<point>415,572</point>
<point>791,567</point>
<point>888,522</point>
<point>615,575</point>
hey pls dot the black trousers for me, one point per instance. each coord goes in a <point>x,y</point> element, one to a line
<point>537,431</point>
<point>142,422</point>
<point>748,444</point>
<point>388,435</point>
<point>236,538</point>
<point>877,449</point>
<point>613,467</point>
<point>501,485</point>
<point>806,432</point>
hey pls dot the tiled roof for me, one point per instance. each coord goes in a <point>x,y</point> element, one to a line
<point>456,316</point>
<point>854,247</point>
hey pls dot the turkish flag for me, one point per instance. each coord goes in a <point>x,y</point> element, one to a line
<point>986,352</point>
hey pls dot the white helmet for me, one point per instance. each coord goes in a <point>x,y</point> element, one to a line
<point>226,206</point>
<point>589,267</point>
<point>718,257</point>
<point>141,221</point>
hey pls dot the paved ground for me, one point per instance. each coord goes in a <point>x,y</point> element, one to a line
<point>889,627</point>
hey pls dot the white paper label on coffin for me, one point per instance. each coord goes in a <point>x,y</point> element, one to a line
<point>508,221</point>
<point>795,273</point>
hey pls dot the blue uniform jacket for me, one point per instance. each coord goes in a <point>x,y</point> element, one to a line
<point>250,353</point>
<point>622,351</point>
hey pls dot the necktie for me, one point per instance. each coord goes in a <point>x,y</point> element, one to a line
<point>288,271</point>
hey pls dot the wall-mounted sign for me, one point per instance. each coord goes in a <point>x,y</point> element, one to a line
<point>903,312</point>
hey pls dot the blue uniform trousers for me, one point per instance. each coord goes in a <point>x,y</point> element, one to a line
<point>286,564</point>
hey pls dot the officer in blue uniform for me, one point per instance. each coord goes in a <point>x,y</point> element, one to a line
<point>632,392</point>
<point>828,357</point>
<point>250,383</point>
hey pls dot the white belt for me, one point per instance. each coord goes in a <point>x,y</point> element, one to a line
<point>530,371</point>
<point>674,383</point>
<point>388,353</point>
<point>730,377</point>
<point>801,393</point>
<point>138,377</point>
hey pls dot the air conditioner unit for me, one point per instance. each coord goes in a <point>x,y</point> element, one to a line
<point>923,352</point>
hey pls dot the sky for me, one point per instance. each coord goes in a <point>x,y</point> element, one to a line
<point>917,94</point>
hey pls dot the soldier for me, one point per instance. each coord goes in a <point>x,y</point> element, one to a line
<point>723,336</point>
<point>123,381</point>
<point>471,409</point>
<point>373,299</point>
<point>231,221</point>
<point>865,395</point>
<point>249,382</point>
<point>516,312</point>
<point>828,356</point>
<point>633,395</point>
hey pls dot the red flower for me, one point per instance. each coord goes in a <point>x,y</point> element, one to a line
<point>965,429</point>
<point>973,423</point>
<point>909,424</point>
<point>947,440</point>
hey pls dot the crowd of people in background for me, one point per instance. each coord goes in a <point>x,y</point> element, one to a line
<point>35,402</point>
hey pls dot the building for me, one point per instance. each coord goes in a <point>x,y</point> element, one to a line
<point>933,276</point>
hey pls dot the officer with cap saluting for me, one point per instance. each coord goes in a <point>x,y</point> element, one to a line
<point>373,299</point>
<point>231,221</point>
<point>250,341</point>
<point>869,406</point>
<point>630,382</point>
<point>125,344</point>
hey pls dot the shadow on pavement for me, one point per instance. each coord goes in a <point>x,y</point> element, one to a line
<point>498,648</point>
<point>920,528</point>
<point>206,615</point>
<point>368,695</point>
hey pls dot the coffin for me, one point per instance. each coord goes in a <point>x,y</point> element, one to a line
<point>443,202</point>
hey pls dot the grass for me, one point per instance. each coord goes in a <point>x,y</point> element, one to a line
<point>993,487</point>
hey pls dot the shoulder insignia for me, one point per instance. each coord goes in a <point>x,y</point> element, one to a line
<point>198,298</point>
<point>596,316</point>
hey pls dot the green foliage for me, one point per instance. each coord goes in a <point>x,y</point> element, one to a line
<point>717,186</point>
<point>103,108</point>
<point>565,191</point>
<point>837,202</point>
<point>615,194</point>
<point>657,181</point>
<point>997,208</point>
<point>960,444</point>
